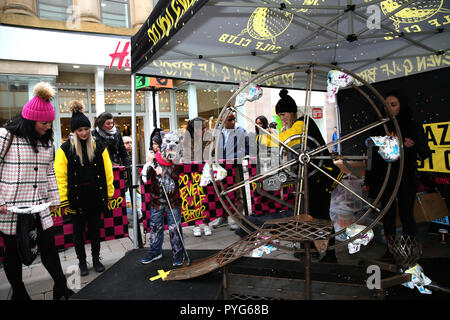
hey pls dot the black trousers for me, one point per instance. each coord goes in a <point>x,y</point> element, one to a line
<point>404,203</point>
<point>93,232</point>
<point>49,256</point>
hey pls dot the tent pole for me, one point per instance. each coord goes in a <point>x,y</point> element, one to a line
<point>133,160</point>
<point>155,121</point>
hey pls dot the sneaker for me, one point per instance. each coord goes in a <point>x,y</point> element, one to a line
<point>220,222</point>
<point>197,232</point>
<point>177,264</point>
<point>233,225</point>
<point>151,258</point>
<point>207,231</point>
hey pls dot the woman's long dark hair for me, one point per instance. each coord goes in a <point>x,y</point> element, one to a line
<point>24,128</point>
<point>405,115</point>
<point>264,121</point>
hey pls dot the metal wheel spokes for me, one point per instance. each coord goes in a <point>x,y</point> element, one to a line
<point>242,184</point>
<point>309,161</point>
<point>349,136</point>
<point>302,194</point>
<point>267,132</point>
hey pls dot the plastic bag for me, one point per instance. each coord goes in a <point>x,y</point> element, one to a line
<point>267,249</point>
<point>336,80</point>
<point>251,93</point>
<point>388,147</point>
<point>418,279</point>
<point>219,174</point>
<point>344,204</point>
<point>363,239</point>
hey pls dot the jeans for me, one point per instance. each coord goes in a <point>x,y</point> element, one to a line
<point>157,232</point>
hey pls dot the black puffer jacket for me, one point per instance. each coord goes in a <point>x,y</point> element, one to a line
<point>116,148</point>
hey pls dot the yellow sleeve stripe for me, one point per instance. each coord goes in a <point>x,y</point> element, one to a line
<point>108,173</point>
<point>61,174</point>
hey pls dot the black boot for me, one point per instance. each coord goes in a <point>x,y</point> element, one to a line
<point>59,292</point>
<point>98,266</point>
<point>329,257</point>
<point>83,268</point>
<point>20,293</point>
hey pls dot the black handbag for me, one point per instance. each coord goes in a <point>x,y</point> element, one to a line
<point>26,237</point>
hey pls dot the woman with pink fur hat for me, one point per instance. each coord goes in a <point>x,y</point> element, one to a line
<point>27,180</point>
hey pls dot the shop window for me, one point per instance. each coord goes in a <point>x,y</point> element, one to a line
<point>182,123</point>
<point>164,101</point>
<point>164,123</point>
<point>15,91</point>
<point>115,13</point>
<point>66,95</point>
<point>181,101</point>
<point>118,100</point>
<point>211,99</point>
<point>60,10</point>
<point>65,128</point>
<point>4,106</point>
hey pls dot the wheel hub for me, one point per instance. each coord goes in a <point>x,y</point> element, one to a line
<point>304,158</point>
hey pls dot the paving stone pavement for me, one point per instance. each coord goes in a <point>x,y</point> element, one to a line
<point>40,285</point>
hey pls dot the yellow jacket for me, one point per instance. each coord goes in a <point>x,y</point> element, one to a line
<point>66,167</point>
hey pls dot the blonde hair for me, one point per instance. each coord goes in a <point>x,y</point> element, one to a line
<point>90,147</point>
<point>293,117</point>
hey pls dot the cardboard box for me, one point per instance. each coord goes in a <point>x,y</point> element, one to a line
<point>428,207</point>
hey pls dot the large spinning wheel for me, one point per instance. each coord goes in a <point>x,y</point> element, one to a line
<point>298,161</point>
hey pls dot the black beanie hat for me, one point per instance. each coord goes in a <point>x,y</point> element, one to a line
<point>286,103</point>
<point>78,118</point>
<point>156,136</point>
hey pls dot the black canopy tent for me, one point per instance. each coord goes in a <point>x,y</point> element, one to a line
<point>232,41</point>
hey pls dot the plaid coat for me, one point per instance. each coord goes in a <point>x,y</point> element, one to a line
<point>26,178</point>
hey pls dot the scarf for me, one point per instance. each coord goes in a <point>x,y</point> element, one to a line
<point>108,135</point>
<point>161,160</point>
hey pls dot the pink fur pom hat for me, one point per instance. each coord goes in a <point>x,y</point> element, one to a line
<point>39,107</point>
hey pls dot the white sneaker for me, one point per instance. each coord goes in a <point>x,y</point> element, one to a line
<point>197,232</point>
<point>233,225</point>
<point>219,222</point>
<point>207,231</point>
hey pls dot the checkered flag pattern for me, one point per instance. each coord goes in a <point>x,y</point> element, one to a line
<point>201,204</point>
<point>262,204</point>
<point>198,203</point>
<point>113,223</point>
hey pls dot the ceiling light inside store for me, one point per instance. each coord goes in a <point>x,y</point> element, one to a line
<point>76,67</point>
<point>103,4</point>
